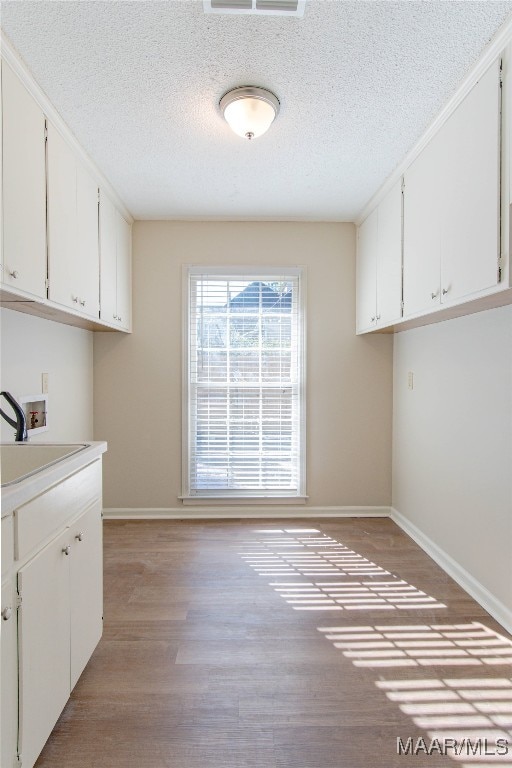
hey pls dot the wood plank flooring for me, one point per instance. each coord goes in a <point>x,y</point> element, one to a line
<point>283,644</point>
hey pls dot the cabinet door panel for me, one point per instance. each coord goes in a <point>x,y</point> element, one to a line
<point>87,243</point>
<point>86,589</point>
<point>389,259</point>
<point>24,188</point>
<point>9,677</point>
<point>108,267</point>
<point>366,272</point>
<point>470,244</point>
<point>62,221</point>
<point>124,272</point>
<point>423,205</point>
<point>44,643</point>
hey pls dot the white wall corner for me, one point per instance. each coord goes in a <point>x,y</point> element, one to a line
<point>481,594</point>
<point>245,512</point>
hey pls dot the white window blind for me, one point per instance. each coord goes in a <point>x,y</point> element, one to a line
<point>245,421</point>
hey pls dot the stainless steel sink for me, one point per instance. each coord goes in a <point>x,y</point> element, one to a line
<point>21,460</point>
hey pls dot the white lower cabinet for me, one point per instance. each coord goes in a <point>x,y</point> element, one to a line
<point>86,589</point>
<point>59,625</point>
<point>8,675</point>
<point>52,608</point>
<point>44,646</point>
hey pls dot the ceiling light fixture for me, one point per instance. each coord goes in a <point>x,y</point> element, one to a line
<point>249,111</point>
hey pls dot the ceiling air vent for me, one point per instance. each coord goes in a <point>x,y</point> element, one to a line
<point>257,7</point>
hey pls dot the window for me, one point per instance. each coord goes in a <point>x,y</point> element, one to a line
<point>244,414</point>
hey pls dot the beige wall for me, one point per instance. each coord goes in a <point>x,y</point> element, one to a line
<point>32,345</point>
<point>452,441</point>
<point>138,377</point>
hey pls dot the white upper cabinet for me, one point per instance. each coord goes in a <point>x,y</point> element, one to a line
<point>88,261</point>
<point>471,238</point>
<point>452,205</point>
<point>115,260</point>
<point>62,219</point>
<point>379,264</point>
<point>108,259</point>
<point>23,189</point>
<point>423,207</point>
<point>366,272</point>
<point>124,272</point>
<point>389,258</point>
<point>49,199</point>
<point>73,258</point>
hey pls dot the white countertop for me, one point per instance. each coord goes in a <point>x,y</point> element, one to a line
<point>18,493</point>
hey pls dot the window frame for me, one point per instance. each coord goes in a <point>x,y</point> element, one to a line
<point>239,496</point>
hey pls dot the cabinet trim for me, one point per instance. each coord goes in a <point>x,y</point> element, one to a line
<point>491,52</point>
<point>500,297</point>
<point>20,69</point>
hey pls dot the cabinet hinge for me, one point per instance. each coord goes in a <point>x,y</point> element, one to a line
<point>46,130</point>
<point>47,284</point>
<point>19,601</point>
<point>501,73</point>
<point>499,274</point>
<point>403,183</point>
<point>17,761</point>
<point>98,195</point>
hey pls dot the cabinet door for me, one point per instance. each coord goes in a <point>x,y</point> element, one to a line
<point>62,221</point>
<point>44,645</point>
<point>88,274</point>
<point>366,273</point>
<point>9,676</point>
<point>389,257</point>
<point>471,226</point>
<point>24,188</point>
<point>124,272</point>
<point>72,230</point>
<point>86,589</point>
<point>424,200</point>
<point>108,259</point>
<point>1,175</point>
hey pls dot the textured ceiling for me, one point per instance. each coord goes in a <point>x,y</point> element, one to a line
<point>139,85</point>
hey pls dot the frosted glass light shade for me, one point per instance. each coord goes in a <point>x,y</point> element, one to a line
<point>249,111</point>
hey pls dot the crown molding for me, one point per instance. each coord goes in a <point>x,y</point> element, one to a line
<point>490,53</point>
<point>11,57</point>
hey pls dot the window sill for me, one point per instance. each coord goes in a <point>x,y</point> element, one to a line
<point>241,500</point>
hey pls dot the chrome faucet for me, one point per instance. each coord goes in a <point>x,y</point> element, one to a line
<point>20,424</point>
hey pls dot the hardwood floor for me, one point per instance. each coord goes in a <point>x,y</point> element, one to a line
<point>282,644</point>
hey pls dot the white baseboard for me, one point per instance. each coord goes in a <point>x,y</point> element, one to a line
<point>246,512</point>
<point>481,594</point>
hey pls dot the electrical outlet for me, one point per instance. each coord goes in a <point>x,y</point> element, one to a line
<point>410,380</point>
<point>44,383</point>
